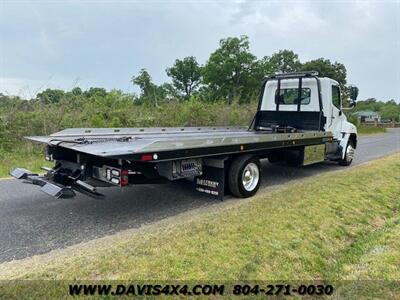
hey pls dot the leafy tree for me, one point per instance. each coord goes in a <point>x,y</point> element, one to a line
<point>229,70</point>
<point>76,91</point>
<point>284,61</point>
<point>389,110</point>
<point>186,75</point>
<point>50,96</point>
<point>95,92</point>
<point>143,80</point>
<point>264,67</point>
<point>325,68</point>
<point>150,92</point>
<point>369,104</point>
<point>167,91</point>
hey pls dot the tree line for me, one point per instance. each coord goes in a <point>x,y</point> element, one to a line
<point>231,74</point>
<point>222,91</point>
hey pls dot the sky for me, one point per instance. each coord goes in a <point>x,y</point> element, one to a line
<point>63,44</point>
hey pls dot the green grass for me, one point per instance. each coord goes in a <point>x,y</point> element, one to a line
<point>25,155</point>
<point>338,226</point>
<point>365,130</point>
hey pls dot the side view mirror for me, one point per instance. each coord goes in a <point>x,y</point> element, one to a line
<point>353,92</point>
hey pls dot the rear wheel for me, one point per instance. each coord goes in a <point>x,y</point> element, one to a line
<point>244,176</point>
<point>349,155</point>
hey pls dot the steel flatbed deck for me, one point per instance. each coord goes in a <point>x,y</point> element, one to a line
<point>175,143</point>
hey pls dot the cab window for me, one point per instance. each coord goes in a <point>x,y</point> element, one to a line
<point>290,96</point>
<point>336,96</point>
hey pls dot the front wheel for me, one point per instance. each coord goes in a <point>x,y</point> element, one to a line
<point>244,176</point>
<point>349,155</point>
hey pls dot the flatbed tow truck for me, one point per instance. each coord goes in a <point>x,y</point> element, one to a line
<point>299,120</point>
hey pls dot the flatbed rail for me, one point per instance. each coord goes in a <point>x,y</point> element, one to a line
<point>171,144</point>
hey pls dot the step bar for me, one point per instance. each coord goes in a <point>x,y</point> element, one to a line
<point>52,188</point>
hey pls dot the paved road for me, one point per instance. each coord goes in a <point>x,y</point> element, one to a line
<point>33,223</point>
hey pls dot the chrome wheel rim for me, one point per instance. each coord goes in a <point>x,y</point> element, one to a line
<point>250,177</point>
<point>349,153</point>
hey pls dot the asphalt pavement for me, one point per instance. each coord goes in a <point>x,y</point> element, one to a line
<point>32,222</point>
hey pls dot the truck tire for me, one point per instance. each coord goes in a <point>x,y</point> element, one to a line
<point>244,176</point>
<point>349,155</point>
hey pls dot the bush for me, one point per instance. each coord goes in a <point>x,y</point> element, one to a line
<point>19,118</point>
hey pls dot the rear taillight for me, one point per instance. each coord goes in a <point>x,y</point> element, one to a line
<point>112,175</point>
<point>147,157</point>
<point>124,177</point>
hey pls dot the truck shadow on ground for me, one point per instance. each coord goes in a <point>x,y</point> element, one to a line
<point>36,223</point>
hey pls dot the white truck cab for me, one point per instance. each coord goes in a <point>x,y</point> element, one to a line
<point>320,108</point>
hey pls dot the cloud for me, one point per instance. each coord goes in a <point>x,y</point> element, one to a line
<point>27,88</point>
<point>46,42</point>
<point>22,87</point>
<point>363,35</point>
<point>105,43</point>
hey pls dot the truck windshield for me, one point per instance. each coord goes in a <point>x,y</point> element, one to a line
<point>289,96</point>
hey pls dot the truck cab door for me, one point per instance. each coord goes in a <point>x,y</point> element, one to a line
<point>336,115</point>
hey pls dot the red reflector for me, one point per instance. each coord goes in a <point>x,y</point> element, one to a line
<point>124,177</point>
<point>147,157</point>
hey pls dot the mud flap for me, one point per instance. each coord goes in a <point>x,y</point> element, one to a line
<point>212,181</point>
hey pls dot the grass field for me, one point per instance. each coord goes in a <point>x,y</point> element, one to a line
<point>363,130</point>
<point>26,155</point>
<point>337,226</point>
